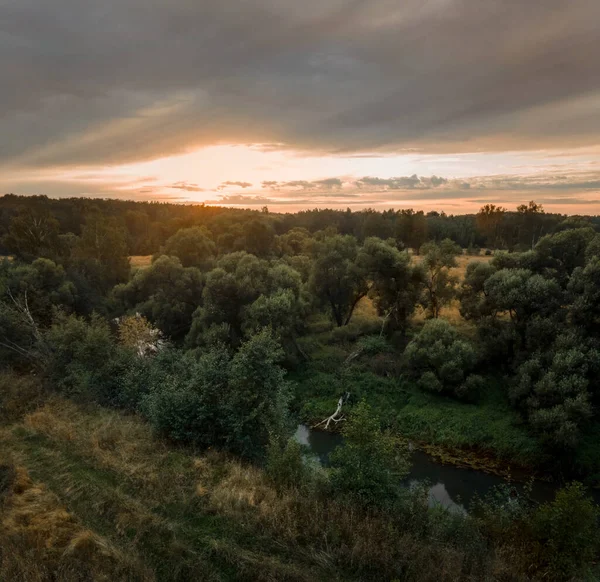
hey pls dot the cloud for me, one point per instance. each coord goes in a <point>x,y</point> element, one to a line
<point>121,80</point>
<point>187,187</point>
<point>229,183</point>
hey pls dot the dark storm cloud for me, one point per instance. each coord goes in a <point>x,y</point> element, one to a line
<point>119,80</point>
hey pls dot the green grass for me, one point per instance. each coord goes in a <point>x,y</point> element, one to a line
<point>489,425</point>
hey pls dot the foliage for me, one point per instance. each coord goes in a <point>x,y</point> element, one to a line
<point>441,360</point>
<point>439,284</point>
<point>567,531</point>
<point>86,362</point>
<point>194,247</point>
<point>166,293</point>
<point>337,280</point>
<point>396,284</point>
<point>370,465</point>
<point>234,402</point>
<point>554,387</point>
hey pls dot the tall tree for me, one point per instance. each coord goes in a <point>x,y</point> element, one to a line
<point>439,284</point>
<point>396,282</point>
<point>337,280</point>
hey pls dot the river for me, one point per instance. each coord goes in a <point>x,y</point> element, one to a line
<point>449,486</point>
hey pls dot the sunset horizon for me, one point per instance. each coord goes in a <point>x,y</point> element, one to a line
<point>433,106</point>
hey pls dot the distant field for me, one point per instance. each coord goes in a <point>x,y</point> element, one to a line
<point>451,312</point>
<point>140,261</point>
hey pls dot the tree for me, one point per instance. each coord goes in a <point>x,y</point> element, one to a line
<point>564,251</point>
<point>370,465</point>
<point>43,285</point>
<point>439,284</point>
<point>32,234</point>
<point>474,299</point>
<point>194,247</point>
<point>411,228</point>
<point>136,332</point>
<point>525,297</point>
<point>166,293</point>
<point>441,361</point>
<point>337,280</point>
<point>567,532</point>
<point>396,283</point>
<point>101,252</point>
<point>553,386</point>
<point>85,360</point>
<point>489,220</point>
<point>233,402</point>
<point>530,223</point>
<point>259,237</point>
<point>29,295</point>
<point>584,291</point>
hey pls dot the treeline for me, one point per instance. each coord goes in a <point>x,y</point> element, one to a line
<point>146,226</point>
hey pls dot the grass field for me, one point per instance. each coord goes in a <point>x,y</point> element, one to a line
<point>140,261</point>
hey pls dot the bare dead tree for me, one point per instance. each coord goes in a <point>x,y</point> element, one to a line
<point>337,415</point>
<point>37,351</point>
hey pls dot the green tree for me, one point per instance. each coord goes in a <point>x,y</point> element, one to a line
<point>166,293</point>
<point>439,284</point>
<point>234,402</point>
<point>441,360</point>
<point>32,234</point>
<point>567,532</point>
<point>337,280</point>
<point>101,253</point>
<point>584,291</point>
<point>553,387</point>
<point>194,247</point>
<point>563,251</point>
<point>396,283</point>
<point>370,465</point>
<point>490,221</point>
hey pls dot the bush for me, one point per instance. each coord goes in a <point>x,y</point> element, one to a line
<point>441,361</point>
<point>370,465</point>
<point>373,345</point>
<point>567,529</point>
<point>85,360</point>
<point>235,402</point>
<point>288,466</point>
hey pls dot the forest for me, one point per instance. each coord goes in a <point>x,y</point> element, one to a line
<point>156,358</point>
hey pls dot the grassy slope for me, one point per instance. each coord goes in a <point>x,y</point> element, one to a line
<point>97,497</point>
<point>134,496</point>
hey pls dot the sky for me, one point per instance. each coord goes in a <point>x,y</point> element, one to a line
<point>430,104</point>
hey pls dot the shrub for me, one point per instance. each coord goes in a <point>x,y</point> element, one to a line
<point>370,465</point>
<point>441,361</point>
<point>288,466</point>
<point>567,529</point>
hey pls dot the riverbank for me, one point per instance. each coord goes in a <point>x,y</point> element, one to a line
<point>488,435</point>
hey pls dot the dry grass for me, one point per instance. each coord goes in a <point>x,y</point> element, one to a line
<point>451,312</point>
<point>140,261</point>
<point>146,498</point>
<point>130,494</point>
<point>41,540</point>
